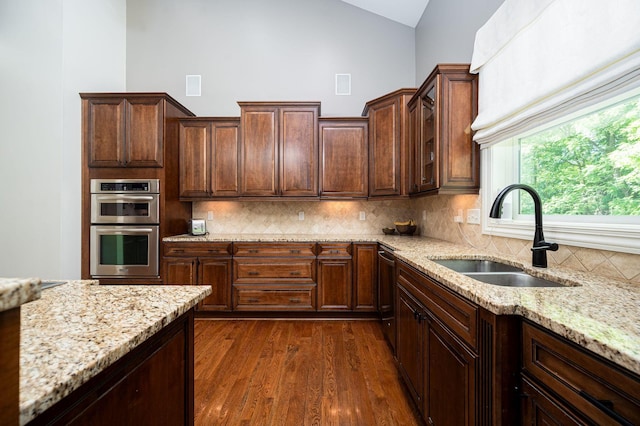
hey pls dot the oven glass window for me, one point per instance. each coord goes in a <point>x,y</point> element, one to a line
<point>124,249</point>
<point>124,209</point>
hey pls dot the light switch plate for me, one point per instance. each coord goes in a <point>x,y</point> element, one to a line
<point>300,215</point>
<point>362,216</point>
<point>473,216</point>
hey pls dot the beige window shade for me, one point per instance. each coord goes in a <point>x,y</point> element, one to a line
<point>540,59</point>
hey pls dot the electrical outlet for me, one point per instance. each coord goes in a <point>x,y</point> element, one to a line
<point>300,215</point>
<point>459,218</point>
<point>209,215</point>
<point>362,216</point>
<point>473,216</point>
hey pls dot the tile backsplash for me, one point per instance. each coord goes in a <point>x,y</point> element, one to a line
<point>343,217</point>
<point>441,209</point>
<point>320,217</point>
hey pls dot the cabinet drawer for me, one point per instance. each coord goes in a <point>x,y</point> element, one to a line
<point>197,249</point>
<point>274,270</point>
<point>334,250</point>
<point>459,315</point>
<point>596,387</point>
<point>299,297</point>
<point>288,249</point>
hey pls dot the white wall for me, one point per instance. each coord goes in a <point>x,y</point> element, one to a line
<point>447,30</point>
<point>50,50</point>
<point>265,50</point>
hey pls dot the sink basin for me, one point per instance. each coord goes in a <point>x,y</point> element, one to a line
<point>472,265</point>
<point>48,284</point>
<point>495,273</point>
<point>512,279</point>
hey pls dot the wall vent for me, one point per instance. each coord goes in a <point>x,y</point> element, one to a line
<point>193,85</point>
<point>343,84</point>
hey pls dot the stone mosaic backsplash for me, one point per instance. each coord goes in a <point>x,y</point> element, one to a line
<point>320,217</point>
<point>343,217</point>
<point>439,224</point>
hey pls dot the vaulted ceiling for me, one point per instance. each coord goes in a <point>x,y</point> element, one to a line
<point>407,12</point>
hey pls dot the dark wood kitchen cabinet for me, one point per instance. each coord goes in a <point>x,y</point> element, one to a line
<point>274,277</point>
<point>125,130</point>
<point>365,277</point>
<point>279,148</point>
<point>344,157</point>
<point>209,157</point>
<point>436,348</point>
<point>566,384</point>
<point>197,263</point>
<point>386,294</point>
<point>335,280</point>
<point>446,160</point>
<point>389,154</point>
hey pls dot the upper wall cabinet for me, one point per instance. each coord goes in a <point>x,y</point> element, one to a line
<point>209,153</point>
<point>125,130</point>
<point>279,148</point>
<point>343,157</point>
<point>445,157</point>
<point>389,154</point>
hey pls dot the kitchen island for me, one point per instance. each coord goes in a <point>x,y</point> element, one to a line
<point>80,341</point>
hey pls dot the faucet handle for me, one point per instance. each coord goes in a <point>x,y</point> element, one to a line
<point>543,245</point>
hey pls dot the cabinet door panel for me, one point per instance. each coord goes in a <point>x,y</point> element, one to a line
<point>194,159</point>
<point>144,127</point>
<point>216,273</point>
<point>299,151</point>
<point>409,349</point>
<point>334,284</point>
<point>365,278</point>
<point>259,151</point>
<point>225,145</point>
<point>178,271</point>
<point>450,378</point>
<point>106,132</point>
<point>344,159</point>
<point>384,161</point>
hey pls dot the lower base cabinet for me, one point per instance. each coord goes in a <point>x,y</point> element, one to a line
<point>193,264</point>
<point>152,385</point>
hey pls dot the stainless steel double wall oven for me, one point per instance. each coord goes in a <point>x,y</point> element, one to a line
<point>124,237</point>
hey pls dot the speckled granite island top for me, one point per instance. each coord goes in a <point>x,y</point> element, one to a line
<point>600,314</point>
<point>77,329</point>
<point>15,292</point>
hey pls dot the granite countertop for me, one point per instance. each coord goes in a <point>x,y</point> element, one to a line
<point>18,291</point>
<point>598,313</point>
<point>76,330</point>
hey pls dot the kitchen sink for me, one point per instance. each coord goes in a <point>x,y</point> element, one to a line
<point>495,273</point>
<point>512,279</point>
<point>473,265</point>
<point>48,284</point>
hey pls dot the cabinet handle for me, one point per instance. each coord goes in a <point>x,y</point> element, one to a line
<point>254,251</point>
<point>607,407</point>
<point>334,251</point>
<point>214,251</point>
<point>295,272</point>
<point>294,300</point>
<point>178,250</point>
<point>253,300</point>
<point>253,273</point>
<point>294,251</point>
<point>430,421</point>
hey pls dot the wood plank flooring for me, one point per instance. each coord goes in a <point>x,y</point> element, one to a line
<point>287,372</point>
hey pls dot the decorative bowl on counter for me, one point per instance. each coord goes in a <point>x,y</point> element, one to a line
<point>406,229</point>
<point>388,231</point>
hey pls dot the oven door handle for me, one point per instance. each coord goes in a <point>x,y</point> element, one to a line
<point>124,197</point>
<point>120,230</point>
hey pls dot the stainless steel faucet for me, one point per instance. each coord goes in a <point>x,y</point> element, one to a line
<point>540,246</point>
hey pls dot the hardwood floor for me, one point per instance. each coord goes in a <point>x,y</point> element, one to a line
<point>263,372</point>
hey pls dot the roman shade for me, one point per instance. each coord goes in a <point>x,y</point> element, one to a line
<point>541,59</point>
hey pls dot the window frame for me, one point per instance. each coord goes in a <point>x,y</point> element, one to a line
<point>616,235</point>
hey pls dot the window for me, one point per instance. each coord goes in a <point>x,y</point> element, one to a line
<point>586,168</point>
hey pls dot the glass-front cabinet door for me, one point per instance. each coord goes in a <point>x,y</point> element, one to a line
<point>428,148</point>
